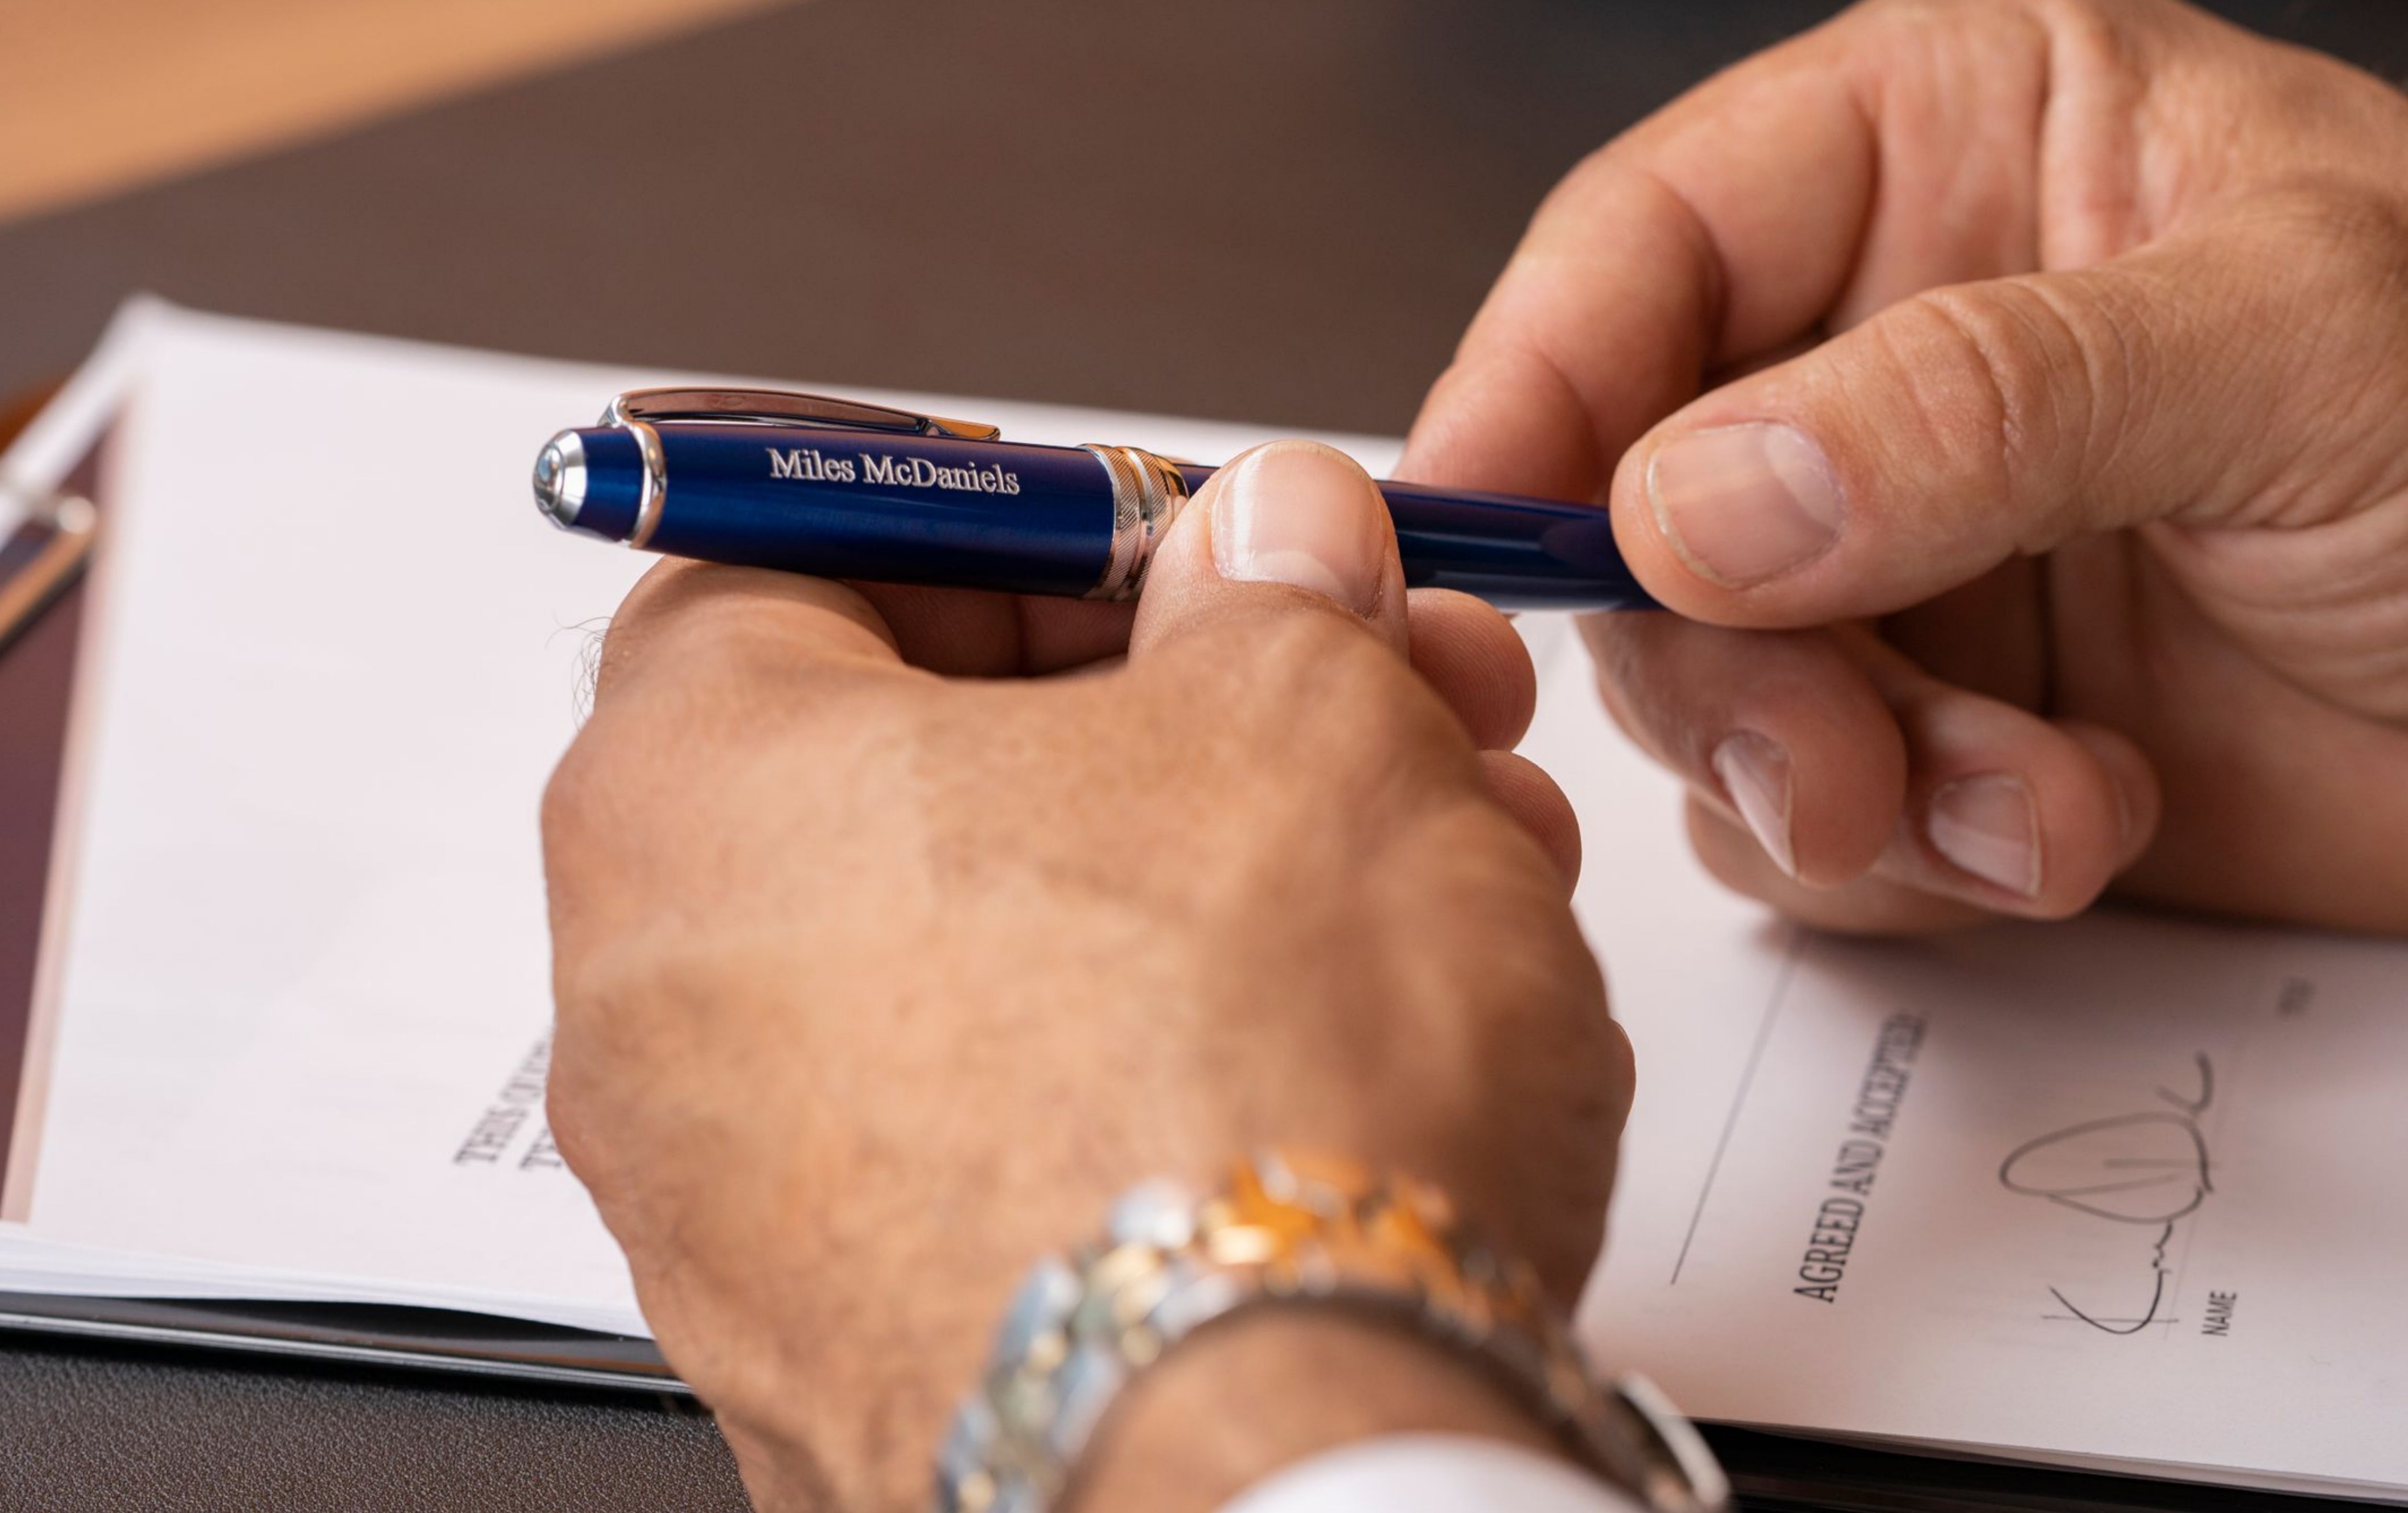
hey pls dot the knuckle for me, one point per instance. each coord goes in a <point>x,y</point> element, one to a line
<point>604,1048</point>
<point>2024,384</point>
<point>1923,27</point>
<point>661,600</point>
<point>1361,751</point>
<point>2328,267</point>
<point>735,629</point>
<point>2105,330</point>
<point>682,619</point>
<point>669,588</point>
<point>2349,245</point>
<point>582,826</point>
<point>575,1127</point>
<point>604,796</point>
<point>1966,383</point>
<point>1894,17</point>
<point>635,1014</point>
<point>569,795</point>
<point>1508,889</point>
<point>1910,15</point>
<point>2094,28</point>
<point>1328,680</point>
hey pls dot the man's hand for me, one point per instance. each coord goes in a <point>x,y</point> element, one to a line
<point>876,983</point>
<point>2049,522</point>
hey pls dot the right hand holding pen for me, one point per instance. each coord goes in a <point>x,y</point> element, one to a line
<point>2049,525</point>
<point>897,931</point>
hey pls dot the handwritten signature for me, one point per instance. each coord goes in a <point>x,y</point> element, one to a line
<point>2148,1169</point>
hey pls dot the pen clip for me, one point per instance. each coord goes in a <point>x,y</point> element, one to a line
<point>782,406</point>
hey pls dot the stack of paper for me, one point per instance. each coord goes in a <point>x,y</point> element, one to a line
<point>294,1001</point>
<point>2122,1194</point>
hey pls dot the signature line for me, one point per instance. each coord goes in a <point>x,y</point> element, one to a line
<point>1746,1080</point>
<point>2133,1326</point>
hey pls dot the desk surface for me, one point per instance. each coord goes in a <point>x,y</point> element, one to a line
<point>1249,209</point>
<point>99,95</point>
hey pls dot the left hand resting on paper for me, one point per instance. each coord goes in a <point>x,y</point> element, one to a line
<point>2013,395</point>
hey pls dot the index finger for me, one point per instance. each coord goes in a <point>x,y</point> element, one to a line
<point>1891,148</point>
<point>690,623</point>
<point>958,632</point>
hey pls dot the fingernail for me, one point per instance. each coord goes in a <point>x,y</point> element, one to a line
<point>1745,503</point>
<point>1297,512</point>
<point>1754,772</point>
<point>1986,826</point>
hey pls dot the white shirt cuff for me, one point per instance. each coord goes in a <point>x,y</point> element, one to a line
<point>1431,1474</point>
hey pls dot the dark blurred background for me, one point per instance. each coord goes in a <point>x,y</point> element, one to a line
<point>1255,209</point>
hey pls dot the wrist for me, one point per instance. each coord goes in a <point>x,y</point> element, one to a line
<point>1237,1402</point>
<point>1383,1263</point>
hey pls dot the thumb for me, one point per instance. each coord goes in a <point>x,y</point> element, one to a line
<point>1968,425</point>
<point>1293,527</point>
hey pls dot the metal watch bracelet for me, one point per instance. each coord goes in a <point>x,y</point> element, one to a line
<point>1287,1228</point>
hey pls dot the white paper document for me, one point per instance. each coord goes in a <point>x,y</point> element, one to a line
<point>2126,1193</point>
<point>295,997</point>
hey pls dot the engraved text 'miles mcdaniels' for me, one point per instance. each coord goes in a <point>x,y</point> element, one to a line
<point>809,465</point>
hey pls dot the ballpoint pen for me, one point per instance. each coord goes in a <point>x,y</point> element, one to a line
<point>841,489</point>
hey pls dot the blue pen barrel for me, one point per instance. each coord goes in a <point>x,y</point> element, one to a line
<point>914,507</point>
<point>1516,553</point>
<point>860,504</point>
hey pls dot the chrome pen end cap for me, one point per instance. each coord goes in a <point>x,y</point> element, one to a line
<point>560,479</point>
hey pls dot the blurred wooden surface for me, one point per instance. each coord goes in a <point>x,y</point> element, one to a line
<point>98,95</point>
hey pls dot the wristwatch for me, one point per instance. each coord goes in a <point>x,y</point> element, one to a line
<point>1288,1230</point>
